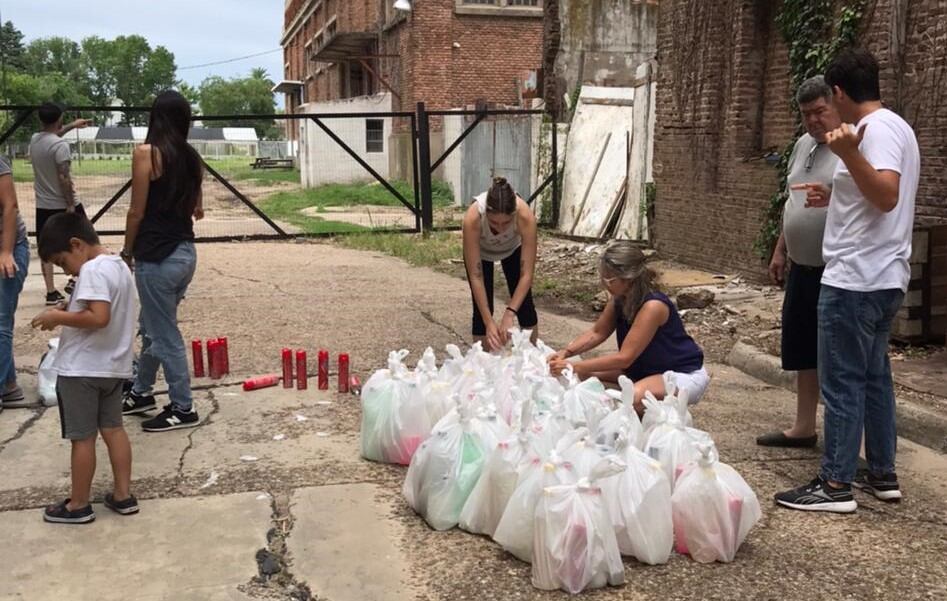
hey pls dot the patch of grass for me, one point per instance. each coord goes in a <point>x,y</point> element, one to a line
<point>288,206</point>
<point>236,168</point>
<point>420,251</point>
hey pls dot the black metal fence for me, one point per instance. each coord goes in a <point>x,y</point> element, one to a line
<point>331,173</point>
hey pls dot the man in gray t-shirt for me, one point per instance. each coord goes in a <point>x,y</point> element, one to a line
<point>14,261</point>
<point>52,178</point>
<point>797,260</point>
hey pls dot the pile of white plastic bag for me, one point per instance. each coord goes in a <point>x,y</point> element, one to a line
<point>560,472</point>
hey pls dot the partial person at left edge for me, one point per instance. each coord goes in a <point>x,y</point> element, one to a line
<point>53,186</point>
<point>14,262</point>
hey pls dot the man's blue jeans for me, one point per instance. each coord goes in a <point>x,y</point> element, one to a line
<point>161,287</point>
<point>10,289</point>
<point>855,377</point>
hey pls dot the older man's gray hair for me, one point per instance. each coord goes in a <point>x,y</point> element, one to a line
<point>812,89</point>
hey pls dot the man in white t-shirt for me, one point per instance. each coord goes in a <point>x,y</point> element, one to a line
<point>866,247</point>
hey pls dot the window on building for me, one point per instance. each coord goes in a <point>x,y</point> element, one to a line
<point>522,8</point>
<point>374,135</point>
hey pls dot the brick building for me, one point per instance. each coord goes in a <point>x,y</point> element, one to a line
<point>724,102</point>
<point>363,55</point>
<point>447,53</point>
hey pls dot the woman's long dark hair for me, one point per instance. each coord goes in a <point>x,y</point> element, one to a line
<point>180,165</point>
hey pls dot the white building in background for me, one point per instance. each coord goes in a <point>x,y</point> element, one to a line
<point>323,161</point>
<point>118,142</point>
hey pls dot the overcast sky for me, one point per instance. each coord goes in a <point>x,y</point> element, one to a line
<point>196,31</point>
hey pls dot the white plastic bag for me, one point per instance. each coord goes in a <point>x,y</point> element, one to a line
<point>443,472</point>
<point>574,544</point>
<point>488,500</point>
<point>670,441</point>
<point>639,505</point>
<point>666,407</point>
<point>515,530</point>
<point>585,402</point>
<point>625,418</point>
<point>584,454</point>
<point>46,376</point>
<point>395,419</point>
<point>713,508</point>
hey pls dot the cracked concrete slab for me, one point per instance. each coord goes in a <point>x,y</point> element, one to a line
<point>339,566</point>
<point>191,548</point>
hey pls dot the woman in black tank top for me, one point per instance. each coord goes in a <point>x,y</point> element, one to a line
<point>159,245</point>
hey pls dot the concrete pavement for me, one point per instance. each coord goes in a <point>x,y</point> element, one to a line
<point>276,474</point>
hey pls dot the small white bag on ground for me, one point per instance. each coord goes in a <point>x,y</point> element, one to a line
<point>639,505</point>
<point>515,530</point>
<point>713,508</point>
<point>46,378</point>
<point>624,418</point>
<point>443,472</point>
<point>394,417</point>
<point>574,546</point>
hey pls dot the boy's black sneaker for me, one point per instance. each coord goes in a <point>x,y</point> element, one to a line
<point>54,298</point>
<point>171,419</point>
<point>884,488</point>
<point>133,404</point>
<point>59,514</point>
<point>126,507</point>
<point>819,496</point>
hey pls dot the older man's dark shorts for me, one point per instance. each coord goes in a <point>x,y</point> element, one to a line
<point>800,347</point>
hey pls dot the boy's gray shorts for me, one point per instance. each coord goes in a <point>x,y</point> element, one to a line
<point>88,404</point>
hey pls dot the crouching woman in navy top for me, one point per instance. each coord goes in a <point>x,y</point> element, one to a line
<point>650,333</point>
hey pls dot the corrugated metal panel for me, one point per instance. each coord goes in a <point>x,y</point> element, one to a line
<point>499,147</point>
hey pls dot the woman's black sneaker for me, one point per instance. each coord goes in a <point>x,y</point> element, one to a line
<point>133,404</point>
<point>171,419</point>
<point>125,507</point>
<point>59,514</point>
<point>884,488</point>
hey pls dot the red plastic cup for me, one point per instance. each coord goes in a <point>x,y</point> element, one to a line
<point>197,350</point>
<point>343,372</point>
<point>302,382</point>
<point>225,355</point>
<point>323,369</point>
<point>261,382</point>
<point>287,356</point>
<point>210,356</point>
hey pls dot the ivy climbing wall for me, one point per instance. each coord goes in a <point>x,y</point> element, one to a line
<point>725,115</point>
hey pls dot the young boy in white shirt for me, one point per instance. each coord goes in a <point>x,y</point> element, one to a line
<point>93,361</point>
<point>866,247</point>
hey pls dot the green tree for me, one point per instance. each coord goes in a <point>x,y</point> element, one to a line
<point>11,46</point>
<point>251,95</point>
<point>55,55</point>
<point>27,89</point>
<point>127,69</point>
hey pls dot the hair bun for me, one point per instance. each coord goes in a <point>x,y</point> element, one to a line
<point>499,180</point>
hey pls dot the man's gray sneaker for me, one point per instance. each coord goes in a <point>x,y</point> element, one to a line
<point>819,496</point>
<point>884,488</point>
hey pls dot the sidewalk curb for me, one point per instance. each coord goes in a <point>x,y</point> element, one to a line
<point>915,423</point>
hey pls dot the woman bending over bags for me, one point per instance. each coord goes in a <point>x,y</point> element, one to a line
<point>650,333</point>
<point>499,226</point>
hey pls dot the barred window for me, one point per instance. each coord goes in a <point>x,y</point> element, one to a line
<point>374,135</point>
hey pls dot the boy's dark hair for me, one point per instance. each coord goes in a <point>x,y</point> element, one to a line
<point>61,228</point>
<point>49,113</point>
<point>855,71</point>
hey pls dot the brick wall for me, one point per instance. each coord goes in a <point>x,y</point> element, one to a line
<point>723,102</point>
